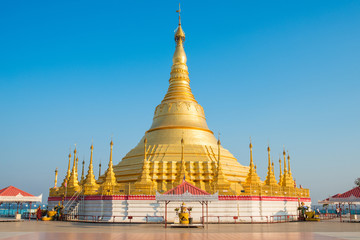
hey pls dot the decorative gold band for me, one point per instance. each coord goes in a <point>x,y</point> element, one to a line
<point>179,127</point>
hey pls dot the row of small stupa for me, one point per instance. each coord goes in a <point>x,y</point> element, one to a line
<point>107,184</point>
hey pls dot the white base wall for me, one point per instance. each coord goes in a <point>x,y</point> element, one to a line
<point>245,210</point>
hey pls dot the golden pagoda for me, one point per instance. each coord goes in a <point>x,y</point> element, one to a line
<point>180,118</point>
<point>179,146</point>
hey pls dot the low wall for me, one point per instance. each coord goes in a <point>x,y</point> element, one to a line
<point>147,209</point>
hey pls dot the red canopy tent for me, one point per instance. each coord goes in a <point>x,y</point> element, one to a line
<point>15,195</point>
<point>351,197</point>
<point>186,192</point>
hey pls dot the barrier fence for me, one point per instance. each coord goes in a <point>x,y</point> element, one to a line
<point>327,216</point>
<point>284,218</point>
<point>124,219</point>
<point>211,219</point>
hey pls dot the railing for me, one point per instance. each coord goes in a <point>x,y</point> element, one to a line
<point>238,219</point>
<point>94,218</point>
<point>71,201</point>
<point>327,216</point>
<point>283,218</point>
<point>220,219</point>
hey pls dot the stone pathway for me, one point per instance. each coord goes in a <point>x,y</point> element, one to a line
<point>74,231</point>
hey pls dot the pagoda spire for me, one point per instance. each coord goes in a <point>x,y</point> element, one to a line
<point>285,170</point>
<point>99,170</point>
<point>69,171</point>
<point>66,179</point>
<point>64,183</point>
<point>77,164</point>
<point>179,88</point>
<point>82,172</point>
<point>145,184</point>
<point>219,144</point>
<point>287,177</point>
<point>288,158</point>
<point>55,191</point>
<point>183,174</point>
<point>281,174</point>
<point>251,158</point>
<point>221,184</point>
<point>252,177</point>
<point>270,178</point>
<point>289,170</point>
<point>109,186</point>
<point>73,183</point>
<point>90,185</point>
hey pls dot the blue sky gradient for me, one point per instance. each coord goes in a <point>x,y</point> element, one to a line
<point>283,72</point>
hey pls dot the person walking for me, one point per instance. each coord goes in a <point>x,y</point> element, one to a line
<point>38,214</point>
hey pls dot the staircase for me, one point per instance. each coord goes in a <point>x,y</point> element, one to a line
<point>72,207</point>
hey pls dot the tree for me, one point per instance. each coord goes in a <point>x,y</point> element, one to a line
<point>357,182</point>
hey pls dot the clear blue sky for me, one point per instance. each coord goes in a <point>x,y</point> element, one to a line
<point>283,72</point>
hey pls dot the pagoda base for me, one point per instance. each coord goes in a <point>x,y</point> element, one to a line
<point>144,208</point>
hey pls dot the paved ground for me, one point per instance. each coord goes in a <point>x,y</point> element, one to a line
<point>93,231</point>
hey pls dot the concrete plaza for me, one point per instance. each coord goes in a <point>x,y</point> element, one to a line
<point>91,231</point>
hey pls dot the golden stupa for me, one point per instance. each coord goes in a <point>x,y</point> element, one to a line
<point>179,145</point>
<point>179,118</point>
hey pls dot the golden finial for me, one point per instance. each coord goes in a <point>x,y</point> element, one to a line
<point>77,164</point>
<point>74,163</point>
<point>251,157</point>
<point>269,160</point>
<point>179,35</point>
<point>285,169</point>
<point>69,166</point>
<point>111,148</point>
<point>56,174</point>
<point>288,158</point>
<point>145,142</point>
<point>179,11</point>
<point>82,172</point>
<point>91,154</point>
<point>280,165</point>
<point>218,143</point>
